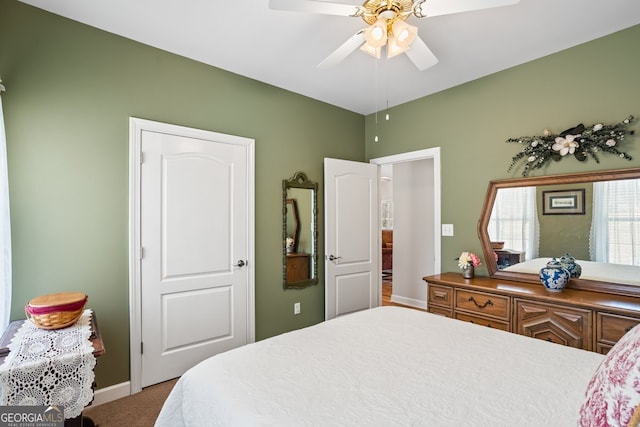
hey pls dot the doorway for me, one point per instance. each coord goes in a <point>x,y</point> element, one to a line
<point>410,211</point>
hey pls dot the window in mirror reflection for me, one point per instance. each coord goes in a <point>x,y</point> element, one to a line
<point>615,229</point>
<point>513,225</point>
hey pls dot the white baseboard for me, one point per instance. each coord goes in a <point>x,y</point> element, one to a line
<point>111,393</point>
<point>411,302</point>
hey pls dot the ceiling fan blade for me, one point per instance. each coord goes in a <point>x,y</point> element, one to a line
<point>445,7</point>
<point>315,7</point>
<point>421,55</point>
<point>354,42</point>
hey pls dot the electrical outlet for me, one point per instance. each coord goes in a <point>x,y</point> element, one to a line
<point>447,229</point>
<point>296,308</point>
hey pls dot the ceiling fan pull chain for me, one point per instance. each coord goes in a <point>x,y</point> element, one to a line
<point>375,68</point>
<point>386,76</point>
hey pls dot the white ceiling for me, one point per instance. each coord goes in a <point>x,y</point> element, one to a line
<point>283,48</point>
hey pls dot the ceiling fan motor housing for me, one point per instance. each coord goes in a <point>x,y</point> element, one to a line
<point>386,9</point>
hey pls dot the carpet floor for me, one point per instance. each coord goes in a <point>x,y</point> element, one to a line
<point>138,410</point>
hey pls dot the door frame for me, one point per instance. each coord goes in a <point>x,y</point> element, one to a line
<point>136,126</point>
<point>426,154</point>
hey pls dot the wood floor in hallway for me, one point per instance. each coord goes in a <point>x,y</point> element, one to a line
<point>387,290</point>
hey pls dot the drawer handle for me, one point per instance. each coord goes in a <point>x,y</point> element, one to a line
<point>441,295</point>
<point>471,299</point>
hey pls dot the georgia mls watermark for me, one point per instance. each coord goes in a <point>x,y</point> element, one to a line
<point>31,416</point>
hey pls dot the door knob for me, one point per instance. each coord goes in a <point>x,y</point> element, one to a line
<point>240,263</point>
<point>334,258</point>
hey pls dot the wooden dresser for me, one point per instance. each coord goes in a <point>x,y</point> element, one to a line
<point>583,319</point>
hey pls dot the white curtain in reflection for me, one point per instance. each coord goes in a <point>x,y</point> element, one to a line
<point>514,220</point>
<point>5,228</point>
<point>615,226</point>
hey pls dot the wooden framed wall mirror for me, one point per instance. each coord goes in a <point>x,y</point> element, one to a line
<point>299,232</point>
<point>519,255</point>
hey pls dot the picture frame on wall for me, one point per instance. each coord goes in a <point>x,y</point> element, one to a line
<point>563,202</point>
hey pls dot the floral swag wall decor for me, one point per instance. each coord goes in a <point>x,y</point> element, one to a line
<point>580,141</point>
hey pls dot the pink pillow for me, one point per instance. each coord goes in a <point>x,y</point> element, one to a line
<point>614,391</point>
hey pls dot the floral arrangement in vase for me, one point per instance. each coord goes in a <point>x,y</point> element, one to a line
<point>467,261</point>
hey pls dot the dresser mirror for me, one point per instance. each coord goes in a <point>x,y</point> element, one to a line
<point>299,232</point>
<point>568,229</point>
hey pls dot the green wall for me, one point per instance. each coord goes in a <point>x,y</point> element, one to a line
<point>597,82</point>
<point>70,92</point>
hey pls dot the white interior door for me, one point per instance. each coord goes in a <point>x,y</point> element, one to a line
<point>196,245</point>
<point>351,237</point>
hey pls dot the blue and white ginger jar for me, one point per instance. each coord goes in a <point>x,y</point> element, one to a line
<point>570,264</point>
<point>554,276</point>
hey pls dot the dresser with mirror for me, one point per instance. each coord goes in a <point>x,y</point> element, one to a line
<point>593,312</point>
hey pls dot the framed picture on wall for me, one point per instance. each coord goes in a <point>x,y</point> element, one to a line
<point>565,202</point>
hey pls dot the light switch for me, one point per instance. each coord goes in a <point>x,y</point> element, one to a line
<point>447,229</point>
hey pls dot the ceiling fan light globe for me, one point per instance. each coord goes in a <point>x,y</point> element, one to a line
<point>374,51</point>
<point>402,36</point>
<point>376,34</point>
<point>404,33</point>
<point>394,49</point>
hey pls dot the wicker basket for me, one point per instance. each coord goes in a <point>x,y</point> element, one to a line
<point>56,311</point>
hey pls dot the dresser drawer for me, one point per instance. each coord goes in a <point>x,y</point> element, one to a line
<point>603,348</point>
<point>440,311</point>
<point>611,327</point>
<point>440,295</point>
<point>483,303</point>
<point>566,325</point>
<point>491,323</point>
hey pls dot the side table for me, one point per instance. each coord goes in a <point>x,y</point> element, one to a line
<point>98,350</point>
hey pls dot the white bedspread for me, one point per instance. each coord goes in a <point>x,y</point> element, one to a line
<point>387,366</point>
<point>616,273</point>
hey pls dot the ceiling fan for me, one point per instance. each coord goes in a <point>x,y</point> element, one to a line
<point>386,24</point>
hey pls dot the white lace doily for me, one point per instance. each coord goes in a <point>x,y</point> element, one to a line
<point>50,367</point>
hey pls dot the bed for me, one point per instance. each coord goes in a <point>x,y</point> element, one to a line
<point>604,272</point>
<point>388,366</point>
